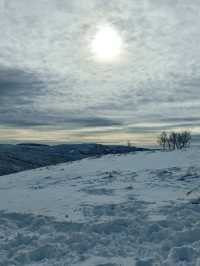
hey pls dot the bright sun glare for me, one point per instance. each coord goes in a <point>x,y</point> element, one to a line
<point>107,44</point>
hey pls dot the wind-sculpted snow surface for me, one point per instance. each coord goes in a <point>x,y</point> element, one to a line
<point>137,210</point>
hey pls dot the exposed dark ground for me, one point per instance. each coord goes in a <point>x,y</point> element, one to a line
<point>16,158</point>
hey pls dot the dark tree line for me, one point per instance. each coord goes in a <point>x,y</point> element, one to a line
<point>174,140</point>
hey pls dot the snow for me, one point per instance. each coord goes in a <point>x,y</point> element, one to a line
<point>138,209</point>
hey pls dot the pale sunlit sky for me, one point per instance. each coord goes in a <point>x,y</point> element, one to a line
<point>98,70</point>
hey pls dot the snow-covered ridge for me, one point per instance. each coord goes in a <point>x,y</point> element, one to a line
<point>134,209</point>
<point>16,158</point>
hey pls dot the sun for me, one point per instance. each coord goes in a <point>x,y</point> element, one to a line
<point>107,44</point>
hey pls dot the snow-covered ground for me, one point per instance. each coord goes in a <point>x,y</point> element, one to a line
<point>131,210</point>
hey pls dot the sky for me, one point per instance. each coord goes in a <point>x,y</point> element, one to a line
<point>55,89</point>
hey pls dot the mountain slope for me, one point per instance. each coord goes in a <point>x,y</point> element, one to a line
<point>16,158</point>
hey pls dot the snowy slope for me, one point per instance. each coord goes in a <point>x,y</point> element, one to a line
<point>136,209</point>
<point>20,157</point>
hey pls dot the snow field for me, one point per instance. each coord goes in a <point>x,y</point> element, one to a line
<point>138,209</point>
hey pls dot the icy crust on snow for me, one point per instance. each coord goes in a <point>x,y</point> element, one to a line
<point>139,210</point>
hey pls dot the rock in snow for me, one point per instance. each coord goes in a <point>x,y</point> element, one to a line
<point>117,210</point>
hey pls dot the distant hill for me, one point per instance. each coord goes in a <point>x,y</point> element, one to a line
<point>24,156</point>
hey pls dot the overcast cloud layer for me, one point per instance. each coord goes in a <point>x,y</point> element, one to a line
<point>52,88</point>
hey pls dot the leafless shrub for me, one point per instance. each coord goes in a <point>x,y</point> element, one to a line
<point>174,140</point>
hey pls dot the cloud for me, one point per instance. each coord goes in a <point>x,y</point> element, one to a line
<point>182,119</point>
<point>49,78</point>
<point>19,92</point>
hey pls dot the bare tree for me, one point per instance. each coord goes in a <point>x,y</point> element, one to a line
<point>185,139</point>
<point>162,140</point>
<point>129,143</point>
<point>175,140</point>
